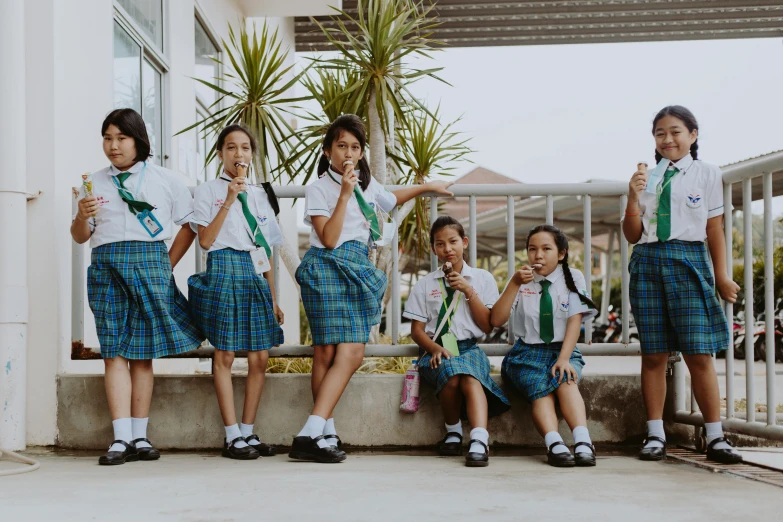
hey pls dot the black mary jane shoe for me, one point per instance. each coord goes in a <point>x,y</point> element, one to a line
<point>724,456</point>
<point>560,460</point>
<point>477,460</point>
<point>230,451</point>
<point>146,453</point>
<point>450,449</point>
<point>307,448</point>
<point>584,459</point>
<point>265,450</point>
<point>333,436</point>
<point>653,453</point>
<point>115,458</point>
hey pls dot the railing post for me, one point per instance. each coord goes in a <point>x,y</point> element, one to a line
<point>747,217</point>
<point>550,210</point>
<point>588,254</point>
<point>473,235</point>
<point>433,217</point>
<point>510,253</point>
<point>395,299</point>
<point>769,297</point>
<point>607,290</point>
<point>626,278</point>
<point>728,228</point>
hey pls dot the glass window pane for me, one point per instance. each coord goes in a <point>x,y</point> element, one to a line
<point>206,68</point>
<point>148,14</point>
<point>127,63</point>
<point>152,109</point>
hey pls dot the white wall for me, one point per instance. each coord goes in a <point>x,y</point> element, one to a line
<point>69,77</point>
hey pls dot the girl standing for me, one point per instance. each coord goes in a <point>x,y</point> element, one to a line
<point>341,289</point>
<point>550,302</point>
<point>140,314</point>
<point>232,301</point>
<point>453,303</point>
<point>672,289</point>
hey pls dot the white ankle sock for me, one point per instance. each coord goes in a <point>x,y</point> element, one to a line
<point>313,428</point>
<point>232,432</point>
<point>582,435</point>
<point>247,430</point>
<point>479,434</point>
<point>552,437</point>
<point>714,431</point>
<point>454,428</point>
<point>329,429</point>
<point>139,429</point>
<point>122,431</point>
<point>655,429</point>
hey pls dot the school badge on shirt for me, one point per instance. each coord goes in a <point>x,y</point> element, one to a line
<point>564,305</point>
<point>694,200</point>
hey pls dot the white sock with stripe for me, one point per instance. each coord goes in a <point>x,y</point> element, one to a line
<point>453,428</point>
<point>479,434</point>
<point>122,431</point>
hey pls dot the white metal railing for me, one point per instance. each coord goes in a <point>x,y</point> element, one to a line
<point>683,413</point>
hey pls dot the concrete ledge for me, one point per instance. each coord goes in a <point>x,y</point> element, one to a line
<point>185,413</point>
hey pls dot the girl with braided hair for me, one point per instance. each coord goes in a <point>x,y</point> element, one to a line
<point>549,301</point>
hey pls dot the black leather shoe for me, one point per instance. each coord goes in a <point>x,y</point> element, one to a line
<point>230,451</point>
<point>653,453</point>
<point>560,460</point>
<point>450,449</point>
<point>307,448</point>
<point>477,460</point>
<point>332,436</point>
<point>115,458</point>
<point>147,453</point>
<point>724,456</point>
<point>584,459</point>
<point>265,450</point>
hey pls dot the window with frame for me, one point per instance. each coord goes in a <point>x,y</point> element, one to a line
<point>138,71</point>
<point>207,69</point>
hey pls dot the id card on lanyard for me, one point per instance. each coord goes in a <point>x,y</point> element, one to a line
<point>145,216</point>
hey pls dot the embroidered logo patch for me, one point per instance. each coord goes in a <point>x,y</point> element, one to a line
<point>372,204</point>
<point>527,291</point>
<point>436,294</point>
<point>694,200</point>
<point>219,202</point>
<point>564,306</point>
<point>262,220</point>
<point>102,201</point>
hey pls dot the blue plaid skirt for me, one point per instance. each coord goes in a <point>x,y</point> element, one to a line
<point>341,293</point>
<point>233,304</point>
<point>528,368</point>
<point>471,361</point>
<point>673,299</point>
<point>139,311</point>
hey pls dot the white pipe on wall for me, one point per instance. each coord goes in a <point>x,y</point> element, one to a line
<point>13,229</point>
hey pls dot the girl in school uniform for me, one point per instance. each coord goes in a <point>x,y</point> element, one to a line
<point>449,309</point>
<point>140,315</point>
<point>549,302</point>
<point>341,289</point>
<point>669,215</point>
<point>232,301</point>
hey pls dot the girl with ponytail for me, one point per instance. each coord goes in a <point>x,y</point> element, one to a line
<point>549,301</point>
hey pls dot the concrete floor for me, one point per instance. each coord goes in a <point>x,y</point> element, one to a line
<point>205,487</point>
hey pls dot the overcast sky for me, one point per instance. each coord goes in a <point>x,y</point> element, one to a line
<point>576,112</point>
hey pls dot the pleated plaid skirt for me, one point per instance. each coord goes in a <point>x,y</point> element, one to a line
<point>233,304</point>
<point>528,368</point>
<point>341,293</point>
<point>673,299</point>
<point>471,361</point>
<point>139,311</point>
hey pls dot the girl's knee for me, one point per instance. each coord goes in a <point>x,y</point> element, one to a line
<point>468,383</point>
<point>351,354</point>
<point>324,355</point>
<point>655,361</point>
<point>223,359</point>
<point>453,382</point>
<point>698,362</point>
<point>257,361</point>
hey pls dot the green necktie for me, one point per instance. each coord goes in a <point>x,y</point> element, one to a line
<point>442,312</point>
<point>135,206</point>
<point>259,238</point>
<point>547,325</point>
<point>665,206</point>
<point>369,213</point>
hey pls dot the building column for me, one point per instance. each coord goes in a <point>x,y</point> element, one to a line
<point>13,228</point>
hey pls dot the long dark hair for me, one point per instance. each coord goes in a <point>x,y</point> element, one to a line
<point>221,139</point>
<point>354,125</point>
<point>684,115</point>
<point>561,242</point>
<point>132,125</point>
